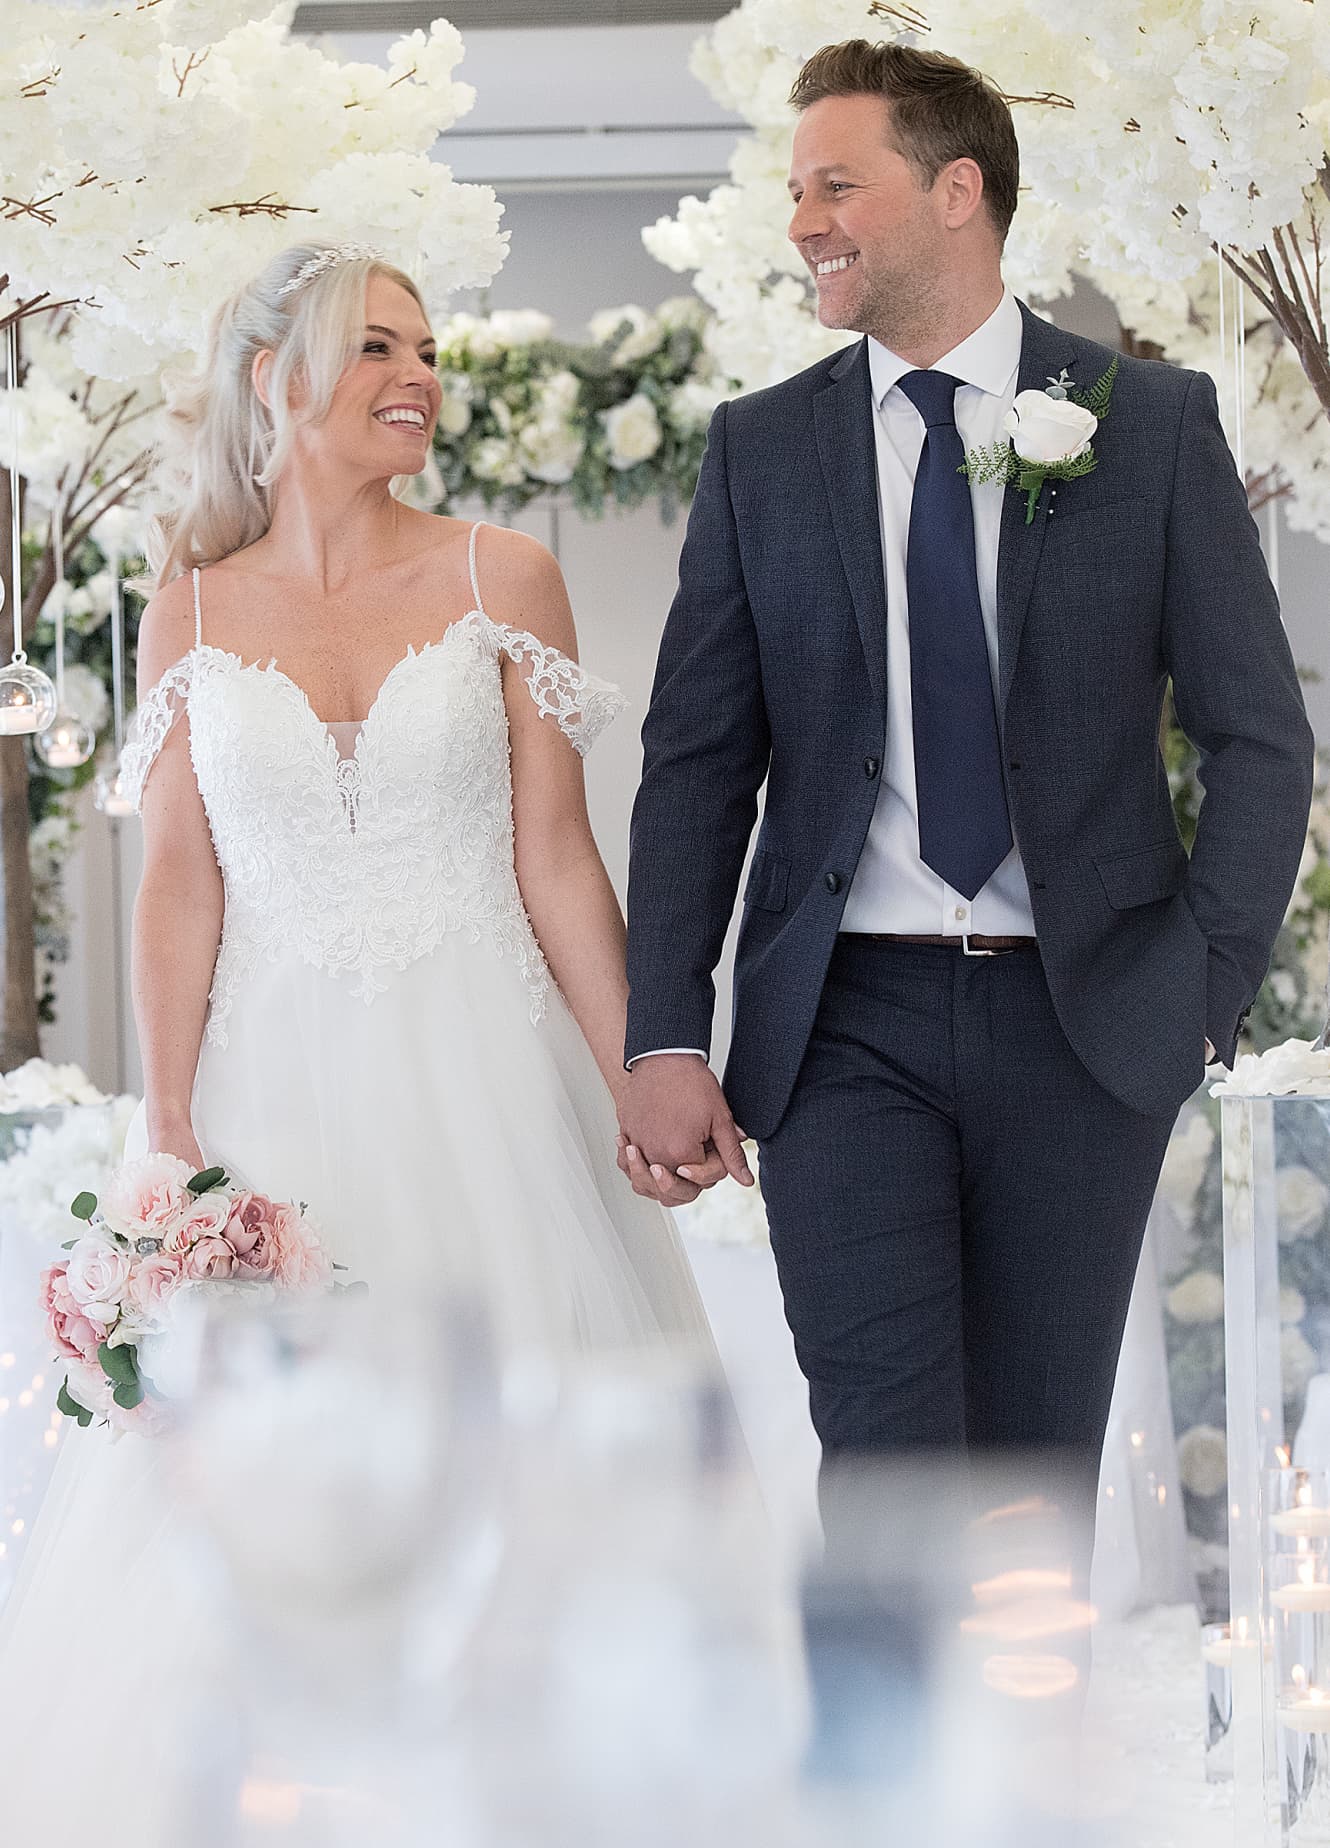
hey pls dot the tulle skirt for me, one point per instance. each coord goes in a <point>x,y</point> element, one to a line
<point>442,1140</point>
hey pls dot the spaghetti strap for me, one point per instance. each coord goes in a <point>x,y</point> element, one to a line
<point>198,611</point>
<point>471,559</point>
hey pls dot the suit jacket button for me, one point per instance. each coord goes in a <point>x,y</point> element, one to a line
<point>833,882</point>
<point>871,766</point>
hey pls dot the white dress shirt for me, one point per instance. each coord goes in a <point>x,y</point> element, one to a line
<point>892,890</point>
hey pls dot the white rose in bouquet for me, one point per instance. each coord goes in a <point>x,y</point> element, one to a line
<point>632,430</point>
<point>1045,430</point>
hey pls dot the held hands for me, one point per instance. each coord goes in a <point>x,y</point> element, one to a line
<point>677,1132</point>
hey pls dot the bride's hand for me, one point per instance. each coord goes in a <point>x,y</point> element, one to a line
<point>177,1138</point>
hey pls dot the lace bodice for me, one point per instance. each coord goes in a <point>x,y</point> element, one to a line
<point>360,864</point>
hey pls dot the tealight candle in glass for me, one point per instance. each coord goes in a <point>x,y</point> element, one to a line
<point>1298,1504</point>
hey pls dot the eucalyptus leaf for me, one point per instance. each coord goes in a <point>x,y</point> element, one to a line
<point>127,1397</point>
<point>84,1206</point>
<point>66,1402</point>
<point>208,1179</point>
<point>119,1364</point>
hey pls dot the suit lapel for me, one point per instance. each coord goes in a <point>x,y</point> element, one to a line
<point>1044,351</point>
<point>843,422</point>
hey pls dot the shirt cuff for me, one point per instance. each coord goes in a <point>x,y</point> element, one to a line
<point>659,1052</point>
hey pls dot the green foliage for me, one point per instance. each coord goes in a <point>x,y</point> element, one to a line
<point>84,1205</point>
<point>208,1179</point>
<point>66,1403</point>
<point>1098,399</point>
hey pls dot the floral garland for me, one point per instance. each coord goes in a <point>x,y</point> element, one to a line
<point>616,422</point>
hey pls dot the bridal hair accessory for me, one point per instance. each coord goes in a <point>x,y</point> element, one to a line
<point>326,260</point>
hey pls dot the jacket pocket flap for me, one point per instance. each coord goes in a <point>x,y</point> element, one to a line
<point>1144,876</point>
<point>768,878</point>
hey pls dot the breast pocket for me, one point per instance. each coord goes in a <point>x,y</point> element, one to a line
<point>768,882</point>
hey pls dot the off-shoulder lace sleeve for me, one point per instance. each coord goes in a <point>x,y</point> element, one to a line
<point>580,704</point>
<point>150,727</point>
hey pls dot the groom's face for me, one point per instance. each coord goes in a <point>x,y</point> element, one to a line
<point>864,223</point>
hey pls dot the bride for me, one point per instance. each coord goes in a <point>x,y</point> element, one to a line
<point>378,964</point>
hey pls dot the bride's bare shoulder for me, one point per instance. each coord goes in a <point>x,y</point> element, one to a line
<point>166,628</point>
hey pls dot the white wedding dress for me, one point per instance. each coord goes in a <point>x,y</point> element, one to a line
<point>384,1042</point>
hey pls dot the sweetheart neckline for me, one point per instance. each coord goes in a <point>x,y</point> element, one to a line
<point>274,672</point>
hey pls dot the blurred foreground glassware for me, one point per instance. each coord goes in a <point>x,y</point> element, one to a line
<point>344,1465</point>
<point>638,1684</point>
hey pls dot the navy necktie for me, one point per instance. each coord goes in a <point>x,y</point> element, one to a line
<point>964,828</point>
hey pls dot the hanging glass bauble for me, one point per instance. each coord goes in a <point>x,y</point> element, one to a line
<point>66,743</point>
<point>27,698</point>
<point>108,793</point>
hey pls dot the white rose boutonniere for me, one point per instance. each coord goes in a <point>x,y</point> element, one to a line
<point>1050,435</point>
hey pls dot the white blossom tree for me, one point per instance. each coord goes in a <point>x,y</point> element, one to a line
<point>1159,139</point>
<point>151,156</point>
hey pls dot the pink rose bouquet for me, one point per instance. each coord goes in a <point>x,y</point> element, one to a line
<point>157,1231</point>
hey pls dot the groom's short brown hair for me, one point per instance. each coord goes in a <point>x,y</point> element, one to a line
<point>941,110</point>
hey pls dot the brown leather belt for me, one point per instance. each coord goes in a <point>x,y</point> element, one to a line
<point>971,945</point>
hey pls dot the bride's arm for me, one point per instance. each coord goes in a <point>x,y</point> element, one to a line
<point>178,910</point>
<point>565,888</point>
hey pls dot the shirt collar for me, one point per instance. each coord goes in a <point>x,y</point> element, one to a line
<point>988,358</point>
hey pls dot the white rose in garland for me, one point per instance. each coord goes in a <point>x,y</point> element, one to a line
<point>632,431</point>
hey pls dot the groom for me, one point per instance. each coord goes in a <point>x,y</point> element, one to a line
<point>977,974</point>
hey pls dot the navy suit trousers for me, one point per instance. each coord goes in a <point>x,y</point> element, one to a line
<point>956,1209</point>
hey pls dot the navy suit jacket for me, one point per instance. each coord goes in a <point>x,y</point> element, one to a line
<point>773,668</point>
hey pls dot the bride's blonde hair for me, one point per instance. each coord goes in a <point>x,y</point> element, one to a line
<point>222,448</point>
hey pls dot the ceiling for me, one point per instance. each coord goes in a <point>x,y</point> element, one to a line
<point>406,15</point>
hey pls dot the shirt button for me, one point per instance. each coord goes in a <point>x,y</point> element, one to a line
<point>871,766</point>
<point>833,882</point>
<point>961,914</point>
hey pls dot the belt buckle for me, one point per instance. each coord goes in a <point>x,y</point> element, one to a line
<point>966,950</point>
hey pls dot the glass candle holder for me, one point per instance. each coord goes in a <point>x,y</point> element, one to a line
<point>66,743</point>
<point>27,699</point>
<point>1298,1587</point>
<point>1217,1662</point>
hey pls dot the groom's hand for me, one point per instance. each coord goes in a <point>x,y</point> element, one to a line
<point>677,1132</point>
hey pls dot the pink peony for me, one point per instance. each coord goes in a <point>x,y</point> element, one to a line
<point>209,1259</point>
<point>96,1274</point>
<point>75,1337</point>
<point>152,1282</point>
<point>206,1216</point>
<point>251,1232</point>
<point>302,1261</point>
<point>146,1198</point>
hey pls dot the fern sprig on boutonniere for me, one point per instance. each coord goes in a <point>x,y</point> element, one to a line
<point>1049,436</point>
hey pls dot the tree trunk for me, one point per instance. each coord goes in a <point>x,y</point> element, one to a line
<point>19,1032</point>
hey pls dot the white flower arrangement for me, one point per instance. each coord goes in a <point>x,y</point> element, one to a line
<point>39,1085</point>
<point>1292,1069</point>
<point>77,1153</point>
<point>614,421</point>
